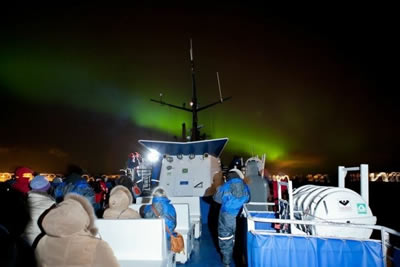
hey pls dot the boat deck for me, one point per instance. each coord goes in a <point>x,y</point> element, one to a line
<point>205,253</point>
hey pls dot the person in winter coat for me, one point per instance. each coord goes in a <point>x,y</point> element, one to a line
<point>74,183</point>
<point>23,176</point>
<point>231,195</point>
<point>258,186</point>
<point>70,237</point>
<point>164,208</point>
<point>38,201</point>
<point>120,199</point>
<point>100,193</point>
<point>14,250</point>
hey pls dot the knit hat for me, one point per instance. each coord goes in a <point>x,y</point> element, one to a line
<point>23,172</point>
<point>40,183</point>
<point>235,173</point>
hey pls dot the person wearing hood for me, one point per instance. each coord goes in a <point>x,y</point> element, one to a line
<point>23,175</point>
<point>38,201</point>
<point>231,195</point>
<point>120,199</point>
<point>164,208</point>
<point>257,184</point>
<point>70,237</point>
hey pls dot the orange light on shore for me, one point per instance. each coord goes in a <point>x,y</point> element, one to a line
<point>27,175</point>
<point>49,176</point>
<point>5,176</point>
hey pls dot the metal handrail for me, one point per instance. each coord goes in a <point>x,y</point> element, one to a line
<point>327,223</point>
<point>385,231</point>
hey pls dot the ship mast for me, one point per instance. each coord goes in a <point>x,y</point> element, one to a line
<point>195,136</point>
<point>195,131</point>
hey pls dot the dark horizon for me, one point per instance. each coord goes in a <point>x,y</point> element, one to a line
<point>311,88</point>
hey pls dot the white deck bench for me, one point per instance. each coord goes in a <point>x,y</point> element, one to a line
<point>183,226</point>
<point>137,242</point>
<point>194,209</point>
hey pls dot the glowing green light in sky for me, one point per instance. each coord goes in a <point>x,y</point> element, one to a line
<point>81,85</point>
<point>251,140</point>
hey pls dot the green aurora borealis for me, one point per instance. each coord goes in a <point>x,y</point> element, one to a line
<point>294,96</point>
<point>34,78</point>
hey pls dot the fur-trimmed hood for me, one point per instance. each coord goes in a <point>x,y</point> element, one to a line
<point>75,214</point>
<point>120,198</point>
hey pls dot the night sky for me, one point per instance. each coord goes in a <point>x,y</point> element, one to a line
<point>312,87</point>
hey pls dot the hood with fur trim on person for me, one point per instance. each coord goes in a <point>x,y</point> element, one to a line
<point>70,237</point>
<point>73,215</point>
<point>120,199</point>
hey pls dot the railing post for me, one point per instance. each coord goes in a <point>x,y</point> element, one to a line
<point>384,239</point>
<point>341,175</point>
<point>364,182</point>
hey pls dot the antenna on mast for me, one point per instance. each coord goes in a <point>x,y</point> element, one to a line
<point>219,88</point>
<point>191,50</point>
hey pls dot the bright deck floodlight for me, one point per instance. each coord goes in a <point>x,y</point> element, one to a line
<point>153,155</point>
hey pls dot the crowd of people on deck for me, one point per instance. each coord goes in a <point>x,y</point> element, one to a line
<point>53,223</point>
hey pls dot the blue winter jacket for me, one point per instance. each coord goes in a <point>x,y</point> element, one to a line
<point>80,187</point>
<point>232,195</point>
<point>166,211</point>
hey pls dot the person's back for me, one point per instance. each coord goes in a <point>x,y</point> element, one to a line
<point>38,201</point>
<point>258,186</point>
<point>75,185</point>
<point>164,208</point>
<point>231,195</point>
<point>70,237</point>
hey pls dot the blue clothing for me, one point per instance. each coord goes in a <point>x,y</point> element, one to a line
<point>231,195</point>
<point>80,187</point>
<point>58,192</point>
<point>226,236</point>
<point>166,210</point>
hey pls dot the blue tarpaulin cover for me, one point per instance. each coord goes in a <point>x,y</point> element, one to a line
<point>396,257</point>
<point>297,251</point>
<point>263,225</point>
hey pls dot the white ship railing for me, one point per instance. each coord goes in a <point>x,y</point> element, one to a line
<point>385,232</point>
